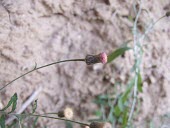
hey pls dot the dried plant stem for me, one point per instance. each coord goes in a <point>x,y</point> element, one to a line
<point>51,117</point>
<point>136,55</point>
<point>36,68</point>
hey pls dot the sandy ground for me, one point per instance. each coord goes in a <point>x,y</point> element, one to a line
<point>44,31</point>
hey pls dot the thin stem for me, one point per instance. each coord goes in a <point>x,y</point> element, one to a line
<point>53,113</point>
<point>136,40</point>
<point>150,27</point>
<point>44,116</point>
<point>19,121</point>
<point>36,68</point>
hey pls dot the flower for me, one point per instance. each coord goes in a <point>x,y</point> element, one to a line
<point>100,125</point>
<point>103,57</point>
<point>67,113</point>
<point>93,59</point>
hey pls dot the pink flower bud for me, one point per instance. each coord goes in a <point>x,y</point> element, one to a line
<point>103,57</point>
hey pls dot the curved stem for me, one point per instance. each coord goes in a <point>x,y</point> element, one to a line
<point>52,113</point>
<point>150,27</point>
<point>37,115</point>
<point>36,68</point>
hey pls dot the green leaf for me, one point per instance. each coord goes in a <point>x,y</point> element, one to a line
<point>14,105</point>
<point>100,102</point>
<point>125,118</point>
<point>125,95</point>
<point>98,113</point>
<point>139,83</point>
<point>2,121</point>
<point>13,102</point>
<point>117,53</point>
<point>103,97</point>
<point>111,118</point>
<point>117,111</point>
<point>35,122</point>
<point>34,106</point>
<point>121,104</point>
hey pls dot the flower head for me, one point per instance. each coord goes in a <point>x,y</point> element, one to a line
<point>100,125</point>
<point>93,59</point>
<point>67,113</point>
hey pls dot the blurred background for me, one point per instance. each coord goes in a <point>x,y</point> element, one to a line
<point>44,31</point>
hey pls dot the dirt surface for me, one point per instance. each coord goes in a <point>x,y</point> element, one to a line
<point>44,31</point>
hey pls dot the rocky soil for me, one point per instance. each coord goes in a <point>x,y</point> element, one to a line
<point>44,31</point>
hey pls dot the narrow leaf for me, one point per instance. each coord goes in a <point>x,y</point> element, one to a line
<point>35,122</point>
<point>117,53</point>
<point>125,119</point>
<point>110,116</point>
<point>2,121</point>
<point>139,83</point>
<point>125,95</point>
<point>14,105</point>
<point>13,102</point>
<point>121,104</point>
<point>117,111</point>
